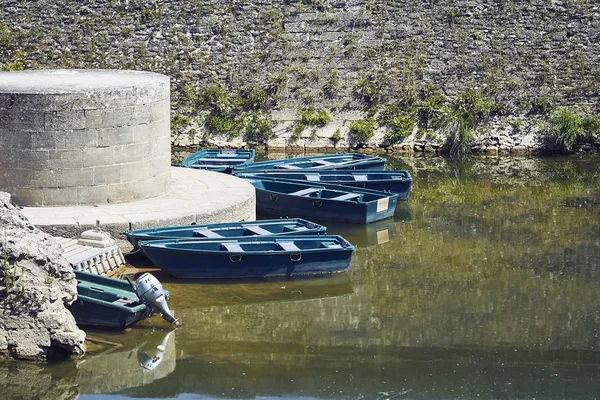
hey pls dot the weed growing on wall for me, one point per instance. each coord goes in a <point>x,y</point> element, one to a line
<point>366,91</point>
<point>362,130</point>
<point>459,130</point>
<point>399,123</point>
<point>240,114</point>
<point>332,86</point>
<point>336,137</point>
<point>308,117</point>
<point>591,125</point>
<point>565,126</point>
<point>259,128</point>
<point>543,105</point>
<point>431,111</point>
<point>5,36</point>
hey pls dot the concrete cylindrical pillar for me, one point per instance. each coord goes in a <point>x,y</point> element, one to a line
<point>80,137</point>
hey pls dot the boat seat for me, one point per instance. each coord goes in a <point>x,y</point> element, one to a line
<point>233,247</point>
<point>322,162</point>
<point>360,178</point>
<point>211,159</point>
<point>286,166</point>
<point>305,192</point>
<point>347,196</point>
<point>288,246</point>
<point>313,177</point>
<point>258,230</point>
<point>124,301</point>
<point>331,245</point>
<point>227,153</point>
<point>204,232</point>
<point>294,228</point>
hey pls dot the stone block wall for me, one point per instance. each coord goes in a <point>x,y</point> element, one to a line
<point>318,52</point>
<point>84,137</point>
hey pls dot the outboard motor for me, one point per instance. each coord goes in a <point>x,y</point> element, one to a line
<point>150,291</point>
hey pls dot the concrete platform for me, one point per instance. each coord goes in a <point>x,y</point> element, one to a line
<point>195,196</point>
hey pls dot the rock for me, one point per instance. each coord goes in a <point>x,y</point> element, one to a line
<point>36,284</point>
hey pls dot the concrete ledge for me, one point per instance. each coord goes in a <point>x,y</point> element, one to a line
<point>195,196</point>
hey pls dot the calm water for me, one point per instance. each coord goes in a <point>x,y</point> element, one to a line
<point>484,286</point>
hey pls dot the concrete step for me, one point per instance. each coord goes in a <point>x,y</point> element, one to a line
<point>97,260</point>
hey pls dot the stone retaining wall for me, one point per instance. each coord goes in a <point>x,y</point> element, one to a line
<point>317,53</point>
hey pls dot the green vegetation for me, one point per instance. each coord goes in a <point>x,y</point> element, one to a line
<point>459,130</point>
<point>17,63</point>
<point>362,130</point>
<point>309,117</point>
<point>336,137</point>
<point>259,129</point>
<point>242,114</point>
<point>542,105</point>
<point>565,128</point>
<point>178,123</point>
<point>591,125</point>
<point>332,86</point>
<point>451,16</point>
<point>431,111</point>
<point>401,125</point>
<point>230,125</point>
<point>272,20</point>
<point>5,36</point>
<point>366,91</point>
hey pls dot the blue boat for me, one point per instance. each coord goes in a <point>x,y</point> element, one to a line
<point>218,160</point>
<point>227,230</point>
<point>104,302</point>
<point>304,200</point>
<point>349,161</point>
<point>251,257</point>
<point>397,181</point>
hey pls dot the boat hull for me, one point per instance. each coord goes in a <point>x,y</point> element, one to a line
<point>90,312</point>
<point>186,261</point>
<point>106,303</point>
<point>277,198</point>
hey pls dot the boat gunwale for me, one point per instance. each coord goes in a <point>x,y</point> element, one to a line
<point>272,174</point>
<point>379,193</point>
<point>235,225</point>
<point>337,239</point>
<point>246,155</point>
<point>357,159</point>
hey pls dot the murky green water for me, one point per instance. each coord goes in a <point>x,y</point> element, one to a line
<point>485,285</point>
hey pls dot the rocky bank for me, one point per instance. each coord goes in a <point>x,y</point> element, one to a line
<point>36,283</point>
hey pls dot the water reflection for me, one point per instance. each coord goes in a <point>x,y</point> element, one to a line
<point>413,375</point>
<point>196,294</point>
<point>372,234</point>
<point>113,363</point>
<point>151,357</point>
<point>489,289</point>
<point>122,365</point>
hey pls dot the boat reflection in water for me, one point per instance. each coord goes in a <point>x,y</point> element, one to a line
<point>193,295</point>
<point>372,234</point>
